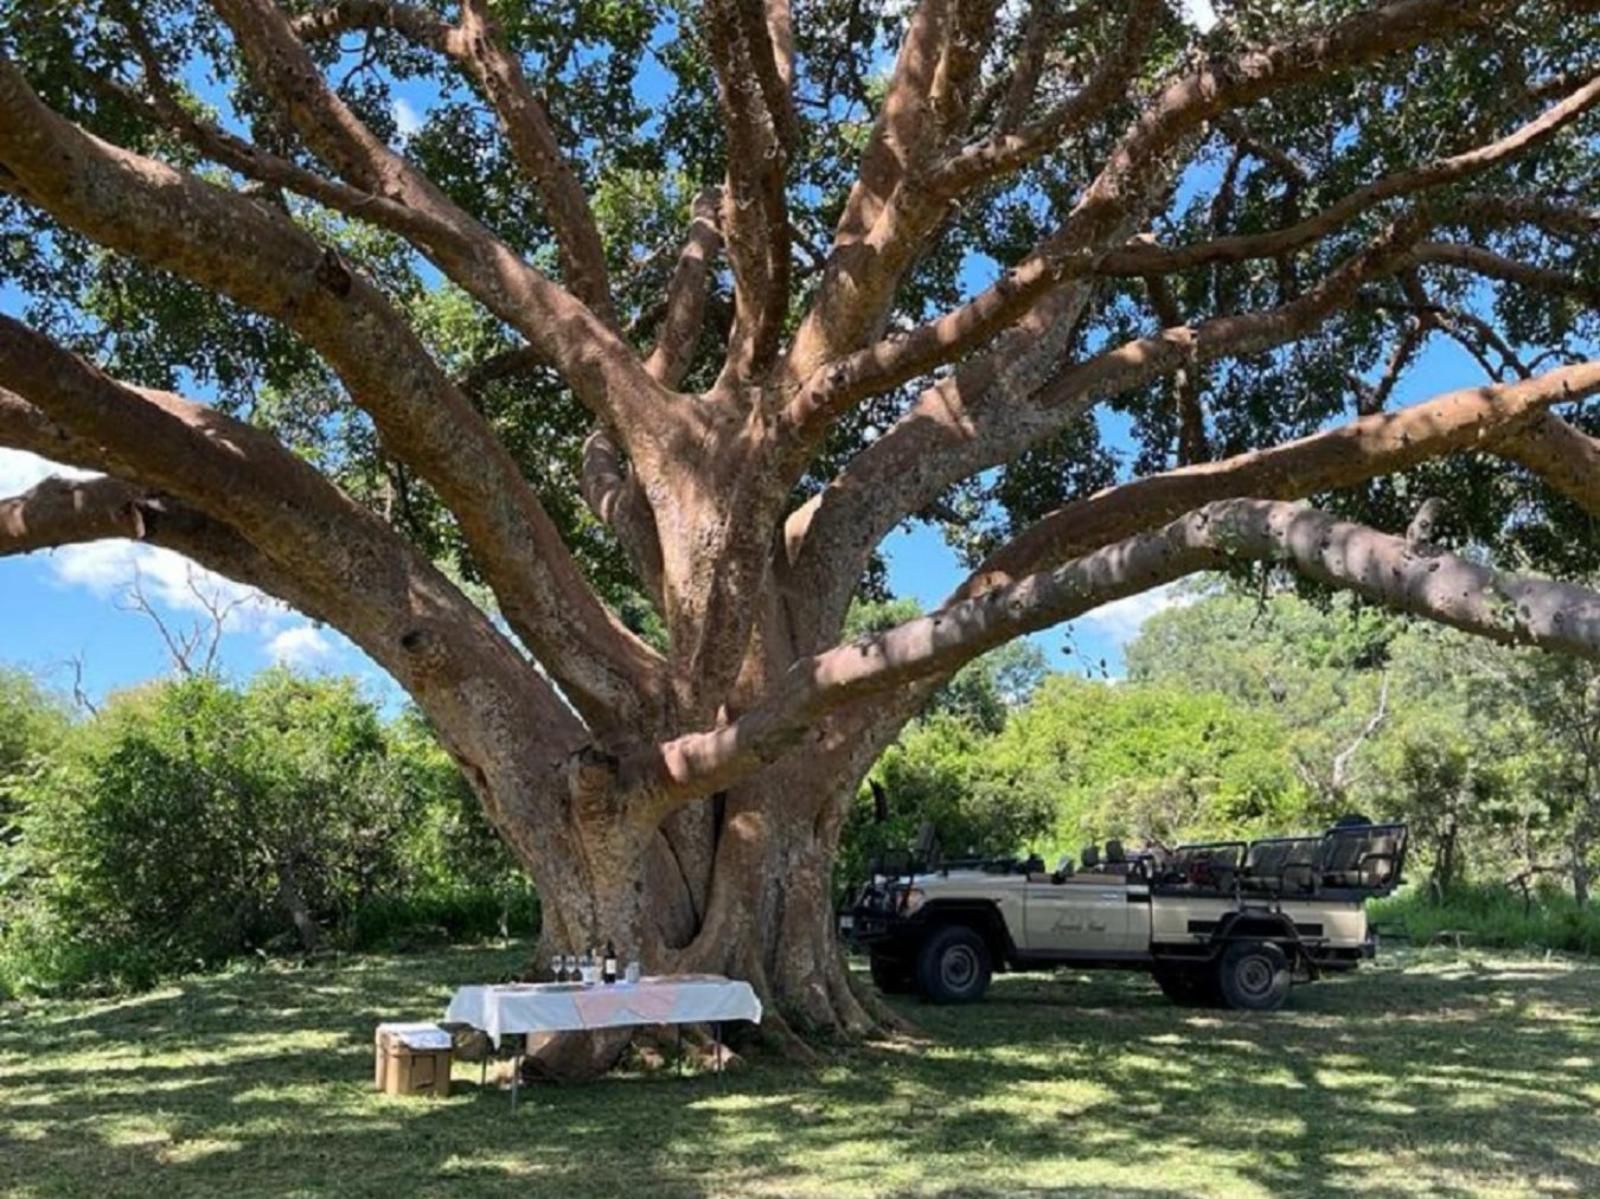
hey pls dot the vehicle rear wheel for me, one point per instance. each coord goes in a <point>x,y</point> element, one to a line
<point>954,965</point>
<point>893,976</point>
<point>1254,976</point>
<point>1186,985</point>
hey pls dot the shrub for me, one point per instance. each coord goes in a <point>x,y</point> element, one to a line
<point>1495,917</point>
<point>192,822</point>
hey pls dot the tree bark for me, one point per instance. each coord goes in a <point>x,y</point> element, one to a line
<point>1581,873</point>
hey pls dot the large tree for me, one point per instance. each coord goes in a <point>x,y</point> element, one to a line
<point>923,247</point>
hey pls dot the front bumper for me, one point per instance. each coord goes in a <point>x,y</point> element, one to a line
<point>871,921</point>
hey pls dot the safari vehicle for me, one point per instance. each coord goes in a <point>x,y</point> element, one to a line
<point>1231,923</point>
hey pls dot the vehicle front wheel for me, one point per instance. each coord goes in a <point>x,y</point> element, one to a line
<point>954,965</point>
<point>893,976</point>
<point>1254,976</point>
<point>1185,985</point>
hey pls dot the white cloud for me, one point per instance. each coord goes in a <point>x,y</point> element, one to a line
<point>1121,620</point>
<point>20,470</point>
<point>406,118</point>
<point>109,568</point>
<point>1199,13</point>
<point>300,647</point>
<point>173,585</point>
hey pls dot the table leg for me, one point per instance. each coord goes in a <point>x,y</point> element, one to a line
<point>516,1077</point>
<point>716,1037</point>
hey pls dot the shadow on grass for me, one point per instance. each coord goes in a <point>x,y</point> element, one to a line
<point>1438,1075</point>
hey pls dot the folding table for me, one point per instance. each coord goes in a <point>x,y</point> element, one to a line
<point>523,1008</point>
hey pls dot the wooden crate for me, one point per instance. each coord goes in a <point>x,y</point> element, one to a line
<point>401,1070</point>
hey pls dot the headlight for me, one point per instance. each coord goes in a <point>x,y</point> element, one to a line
<point>910,900</point>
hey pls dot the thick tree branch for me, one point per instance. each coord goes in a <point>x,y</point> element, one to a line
<point>613,494</point>
<point>251,161</point>
<point>983,415</point>
<point>894,361</point>
<point>759,120</point>
<point>479,45</point>
<point>508,364</point>
<point>1497,266</point>
<point>1188,383</point>
<point>1011,149</point>
<point>600,367</point>
<point>409,619</point>
<point>1458,421</point>
<point>63,512</point>
<point>1569,221</point>
<point>254,254</point>
<point>890,212</point>
<point>1507,608</point>
<point>1044,20</point>
<point>59,512</point>
<point>684,319</point>
<point>418,24</point>
<point>24,427</point>
<point>1564,457</point>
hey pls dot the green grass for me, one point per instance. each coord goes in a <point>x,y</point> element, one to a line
<point>1494,917</point>
<point>1433,1074</point>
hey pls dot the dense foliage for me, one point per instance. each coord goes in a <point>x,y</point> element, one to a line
<point>190,822</point>
<point>31,720</point>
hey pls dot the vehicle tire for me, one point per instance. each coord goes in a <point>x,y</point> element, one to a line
<point>1254,976</point>
<point>1185,985</point>
<point>954,965</point>
<point>893,976</point>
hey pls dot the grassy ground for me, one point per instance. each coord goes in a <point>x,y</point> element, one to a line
<point>1435,1074</point>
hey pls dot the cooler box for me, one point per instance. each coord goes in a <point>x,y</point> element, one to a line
<point>413,1059</point>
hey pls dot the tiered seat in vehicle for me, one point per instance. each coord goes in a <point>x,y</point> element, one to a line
<point>1360,857</point>
<point>1282,864</point>
<point>1207,867</point>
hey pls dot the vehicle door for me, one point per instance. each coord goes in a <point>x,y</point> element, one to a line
<point>1084,913</point>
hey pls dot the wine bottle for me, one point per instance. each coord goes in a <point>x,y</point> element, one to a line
<point>608,972</point>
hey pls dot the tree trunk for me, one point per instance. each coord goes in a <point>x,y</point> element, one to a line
<point>1580,872</point>
<point>741,886</point>
<point>293,900</point>
<point>1444,863</point>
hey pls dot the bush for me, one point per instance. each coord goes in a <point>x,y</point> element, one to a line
<point>192,822</point>
<point>1493,916</point>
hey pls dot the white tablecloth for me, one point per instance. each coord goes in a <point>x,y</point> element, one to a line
<point>558,1007</point>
